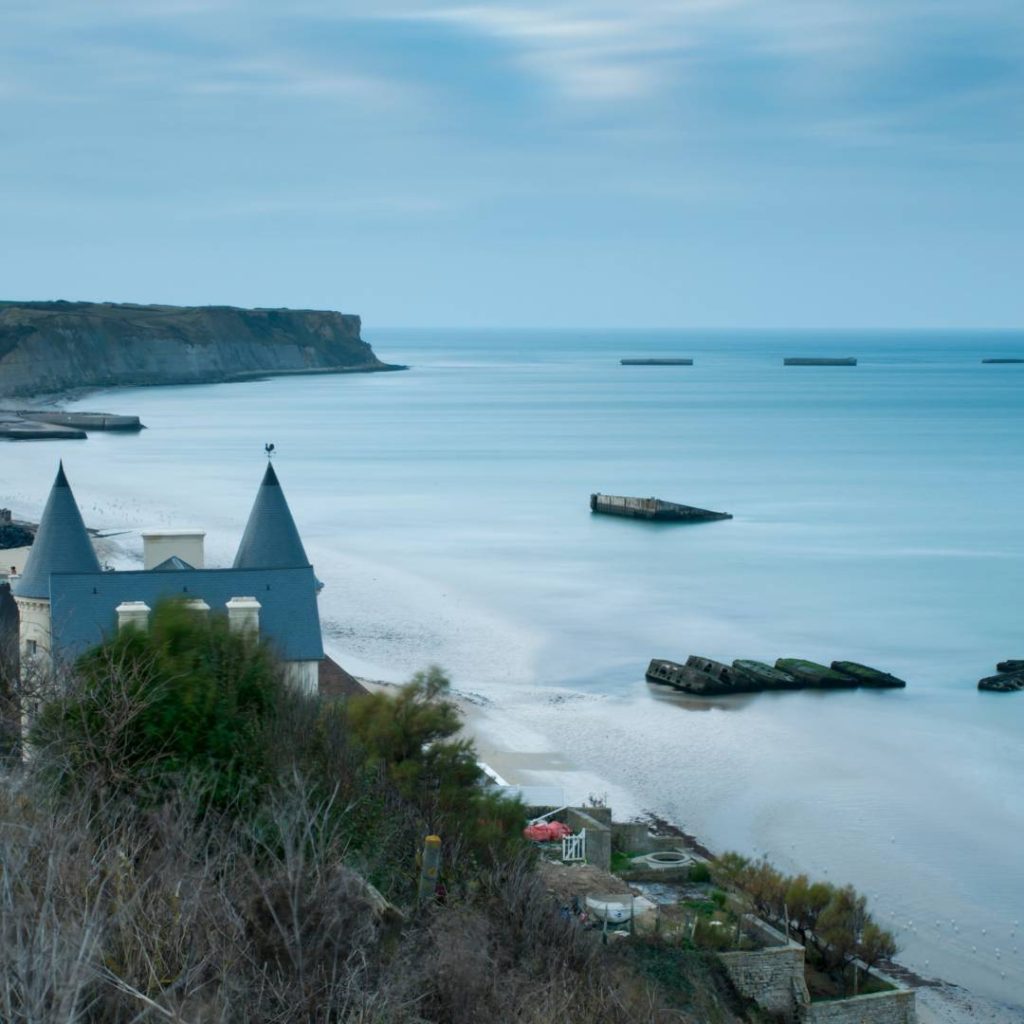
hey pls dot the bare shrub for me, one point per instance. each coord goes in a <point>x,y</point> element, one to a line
<point>124,904</point>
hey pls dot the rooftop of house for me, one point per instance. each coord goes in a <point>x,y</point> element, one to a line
<point>61,545</point>
<point>83,605</point>
<point>271,565</point>
<point>271,539</point>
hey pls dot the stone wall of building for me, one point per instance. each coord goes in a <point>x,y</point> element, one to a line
<point>878,1008</point>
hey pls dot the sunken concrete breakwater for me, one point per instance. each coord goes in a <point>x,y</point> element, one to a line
<point>14,427</point>
<point>83,420</point>
<point>651,508</point>
<point>705,677</point>
<point>814,361</point>
<point>50,425</point>
<point>656,362</point>
<point>1009,678</point>
<point>54,347</point>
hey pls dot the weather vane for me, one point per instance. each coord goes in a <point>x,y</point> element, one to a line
<point>269,449</point>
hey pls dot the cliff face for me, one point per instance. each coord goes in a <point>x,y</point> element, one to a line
<point>56,346</point>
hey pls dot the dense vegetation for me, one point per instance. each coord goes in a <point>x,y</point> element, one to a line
<point>831,921</point>
<point>192,841</point>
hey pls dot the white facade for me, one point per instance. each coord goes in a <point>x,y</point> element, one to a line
<point>244,615</point>
<point>303,676</point>
<point>34,631</point>
<point>159,545</point>
<point>134,614</point>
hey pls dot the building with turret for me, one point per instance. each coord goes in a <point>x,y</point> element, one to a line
<point>68,603</point>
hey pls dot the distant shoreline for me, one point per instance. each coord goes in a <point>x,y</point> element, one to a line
<point>51,399</point>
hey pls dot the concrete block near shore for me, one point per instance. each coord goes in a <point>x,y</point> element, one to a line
<point>819,361</point>
<point>83,420</point>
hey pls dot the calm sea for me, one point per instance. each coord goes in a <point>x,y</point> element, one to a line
<point>877,518</point>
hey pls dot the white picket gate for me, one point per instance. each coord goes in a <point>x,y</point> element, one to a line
<point>575,847</point>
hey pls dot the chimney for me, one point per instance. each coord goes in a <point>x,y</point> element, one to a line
<point>198,605</point>
<point>159,545</point>
<point>244,615</point>
<point>133,613</point>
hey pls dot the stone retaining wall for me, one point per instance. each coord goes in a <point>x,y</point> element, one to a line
<point>878,1008</point>
<point>773,978</point>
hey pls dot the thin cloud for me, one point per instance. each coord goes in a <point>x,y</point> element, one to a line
<point>802,54</point>
<point>584,56</point>
<point>290,76</point>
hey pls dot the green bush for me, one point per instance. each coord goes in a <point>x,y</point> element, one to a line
<point>187,699</point>
<point>411,736</point>
<point>700,872</point>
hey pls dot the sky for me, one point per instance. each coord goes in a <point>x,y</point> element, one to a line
<point>676,163</point>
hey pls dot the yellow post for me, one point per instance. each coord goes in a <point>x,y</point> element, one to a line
<point>431,866</point>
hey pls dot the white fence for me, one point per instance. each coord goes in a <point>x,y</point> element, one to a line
<point>574,848</point>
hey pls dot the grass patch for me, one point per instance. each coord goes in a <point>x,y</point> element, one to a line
<point>622,861</point>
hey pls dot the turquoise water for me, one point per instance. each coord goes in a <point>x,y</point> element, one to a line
<point>877,518</point>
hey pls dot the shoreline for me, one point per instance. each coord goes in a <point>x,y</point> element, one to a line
<point>49,400</point>
<point>938,1001</point>
<point>532,763</point>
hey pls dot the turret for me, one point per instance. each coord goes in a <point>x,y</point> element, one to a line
<point>271,540</point>
<point>62,545</point>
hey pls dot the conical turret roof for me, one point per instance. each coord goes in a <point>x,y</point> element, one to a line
<point>271,540</point>
<point>61,545</point>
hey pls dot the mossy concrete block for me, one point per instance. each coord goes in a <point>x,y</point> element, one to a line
<point>815,675</point>
<point>867,676</point>
<point>763,677</point>
<point>1007,682</point>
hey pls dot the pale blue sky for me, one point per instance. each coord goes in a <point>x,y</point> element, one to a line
<point>661,162</point>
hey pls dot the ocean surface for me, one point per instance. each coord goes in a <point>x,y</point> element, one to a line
<point>877,518</point>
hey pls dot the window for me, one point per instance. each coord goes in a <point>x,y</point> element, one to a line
<point>31,647</point>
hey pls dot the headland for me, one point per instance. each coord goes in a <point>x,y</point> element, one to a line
<point>52,348</point>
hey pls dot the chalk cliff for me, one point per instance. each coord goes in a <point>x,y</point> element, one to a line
<point>48,347</point>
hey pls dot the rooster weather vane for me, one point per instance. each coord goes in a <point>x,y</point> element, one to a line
<point>269,449</point>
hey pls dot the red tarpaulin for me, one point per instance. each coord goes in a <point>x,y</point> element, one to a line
<point>547,832</point>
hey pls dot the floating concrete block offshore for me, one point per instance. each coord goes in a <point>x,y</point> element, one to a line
<point>814,361</point>
<point>656,362</point>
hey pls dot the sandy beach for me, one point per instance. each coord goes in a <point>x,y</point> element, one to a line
<point>528,763</point>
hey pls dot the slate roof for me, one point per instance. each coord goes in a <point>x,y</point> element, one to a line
<point>61,545</point>
<point>82,605</point>
<point>172,564</point>
<point>271,540</point>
